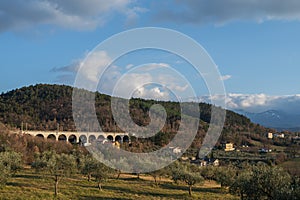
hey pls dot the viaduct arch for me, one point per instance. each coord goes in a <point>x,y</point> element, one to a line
<point>80,137</point>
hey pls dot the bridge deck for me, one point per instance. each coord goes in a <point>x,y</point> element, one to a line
<point>76,137</point>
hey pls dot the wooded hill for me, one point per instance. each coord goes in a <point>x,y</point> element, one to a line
<point>43,106</point>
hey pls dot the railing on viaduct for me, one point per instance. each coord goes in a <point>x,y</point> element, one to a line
<point>80,137</point>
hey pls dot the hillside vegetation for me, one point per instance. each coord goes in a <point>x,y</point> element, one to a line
<point>33,167</point>
<point>43,107</point>
<point>47,107</point>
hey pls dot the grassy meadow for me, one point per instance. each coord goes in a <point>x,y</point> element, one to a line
<point>28,184</point>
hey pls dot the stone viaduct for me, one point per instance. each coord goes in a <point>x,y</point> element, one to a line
<point>80,137</point>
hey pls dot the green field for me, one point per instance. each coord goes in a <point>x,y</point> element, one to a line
<point>29,185</point>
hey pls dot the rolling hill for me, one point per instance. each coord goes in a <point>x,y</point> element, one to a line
<point>44,107</point>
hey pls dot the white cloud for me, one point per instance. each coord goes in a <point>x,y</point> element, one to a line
<point>220,12</point>
<point>158,65</point>
<point>90,69</point>
<point>180,88</point>
<point>226,77</point>
<point>132,15</point>
<point>150,81</point>
<point>249,102</point>
<point>72,14</point>
<point>127,84</point>
<point>154,66</point>
<point>254,100</point>
<point>95,65</point>
<point>129,66</point>
<point>260,102</point>
<point>152,93</point>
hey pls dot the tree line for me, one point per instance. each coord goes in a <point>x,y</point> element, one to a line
<point>251,182</point>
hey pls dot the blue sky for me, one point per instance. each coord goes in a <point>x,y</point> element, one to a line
<point>255,44</point>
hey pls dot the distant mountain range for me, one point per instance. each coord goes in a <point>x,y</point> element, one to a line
<point>274,119</point>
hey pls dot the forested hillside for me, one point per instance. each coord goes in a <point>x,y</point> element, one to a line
<point>43,107</point>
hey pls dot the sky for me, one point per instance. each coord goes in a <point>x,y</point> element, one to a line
<point>255,45</point>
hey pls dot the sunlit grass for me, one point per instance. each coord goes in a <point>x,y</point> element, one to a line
<point>29,185</point>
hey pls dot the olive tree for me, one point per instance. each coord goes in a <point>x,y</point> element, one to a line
<point>101,173</point>
<point>263,182</point>
<point>225,175</point>
<point>58,165</point>
<point>272,182</point>
<point>88,166</point>
<point>184,174</point>
<point>191,179</point>
<point>10,163</point>
<point>157,174</point>
<point>208,172</point>
<point>93,168</point>
<point>295,187</point>
<point>243,186</point>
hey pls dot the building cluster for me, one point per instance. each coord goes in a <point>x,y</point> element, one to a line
<point>207,162</point>
<point>275,135</point>
<point>228,146</point>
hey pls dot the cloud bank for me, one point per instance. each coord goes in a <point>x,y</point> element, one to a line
<point>81,15</point>
<point>71,14</point>
<point>134,81</point>
<point>221,12</point>
<point>131,79</point>
<point>257,103</point>
<point>149,81</point>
